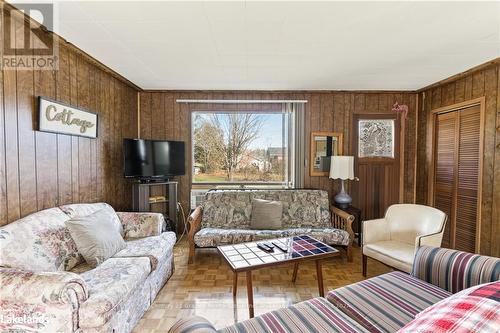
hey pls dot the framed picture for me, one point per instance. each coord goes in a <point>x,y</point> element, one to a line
<point>376,138</point>
<point>324,145</point>
<point>57,117</point>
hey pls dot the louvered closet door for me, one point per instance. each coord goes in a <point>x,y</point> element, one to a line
<point>445,170</point>
<point>456,175</point>
<point>468,179</point>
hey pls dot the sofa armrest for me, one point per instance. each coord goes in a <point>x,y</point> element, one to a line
<point>43,302</point>
<point>342,220</point>
<point>375,231</point>
<point>432,239</point>
<point>429,240</point>
<point>194,222</point>
<point>138,225</point>
<point>20,286</point>
<point>195,324</point>
<point>454,270</point>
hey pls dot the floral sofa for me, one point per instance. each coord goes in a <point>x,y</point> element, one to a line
<point>46,286</point>
<point>224,218</point>
<point>447,291</point>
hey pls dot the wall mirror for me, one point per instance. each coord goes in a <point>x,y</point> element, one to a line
<point>323,146</point>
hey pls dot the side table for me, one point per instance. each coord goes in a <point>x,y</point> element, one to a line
<point>356,225</point>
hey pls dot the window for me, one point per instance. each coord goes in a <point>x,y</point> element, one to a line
<point>244,148</point>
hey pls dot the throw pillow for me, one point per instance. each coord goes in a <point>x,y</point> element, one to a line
<point>476,309</point>
<point>84,209</point>
<point>96,236</point>
<point>266,214</point>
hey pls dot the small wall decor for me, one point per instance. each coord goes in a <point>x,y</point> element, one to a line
<point>324,145</point>
<point>376,138</point>
<point>400,108</point>
<point>57,117</point>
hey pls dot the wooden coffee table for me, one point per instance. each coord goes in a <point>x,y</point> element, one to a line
<point>246,257</point>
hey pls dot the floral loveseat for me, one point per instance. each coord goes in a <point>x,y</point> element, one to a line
<point>224,218</point>
<point>46,286</point>
<point>447,291</point>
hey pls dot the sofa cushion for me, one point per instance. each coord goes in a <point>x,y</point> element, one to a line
<point>233,209</point>
<point>315,315</point>
<point>156,248</point>
<point>110,284</point>
<point>39,242</point>
<point>211,237</point>
<point>395,254</point>
<point>476,309</point>
<point>85,209</point>
<point>266,214</point>
<point>387,302</point>
<point>96,236</point>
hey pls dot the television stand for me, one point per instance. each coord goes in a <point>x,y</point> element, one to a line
<point>153,180</point>
<point>157,196</point>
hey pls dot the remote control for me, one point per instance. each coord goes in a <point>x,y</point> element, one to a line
<point>281,247</point>
<point>270,245</point>
<point>264,247</point>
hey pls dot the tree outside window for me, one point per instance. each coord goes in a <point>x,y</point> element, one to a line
<point>240,147</point>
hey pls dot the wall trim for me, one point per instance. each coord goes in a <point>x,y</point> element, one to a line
<point>455,77</point>
<point>271,92</point>
<point>138,114</point>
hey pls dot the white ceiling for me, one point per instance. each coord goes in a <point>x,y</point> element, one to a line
<point>284,45</point>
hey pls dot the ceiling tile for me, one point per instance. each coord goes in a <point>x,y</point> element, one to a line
<point>284,44</point>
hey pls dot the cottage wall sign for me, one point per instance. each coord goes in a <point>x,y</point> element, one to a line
<point>57,117</point>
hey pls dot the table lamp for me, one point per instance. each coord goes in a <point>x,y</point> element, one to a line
<point>342,167</point>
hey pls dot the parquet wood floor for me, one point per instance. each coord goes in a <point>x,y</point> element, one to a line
<point>204,288</point>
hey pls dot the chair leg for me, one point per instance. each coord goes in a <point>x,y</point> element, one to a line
<point>364,265</point>
<point>349,253</point>
<point>191,254</point>
<point>295,270</point>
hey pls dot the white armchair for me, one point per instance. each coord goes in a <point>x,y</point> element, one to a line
<point>394,239</point>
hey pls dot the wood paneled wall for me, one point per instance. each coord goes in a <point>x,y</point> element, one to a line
<point>40,170</point>
<point>483,81</point>
<point>162,118</point>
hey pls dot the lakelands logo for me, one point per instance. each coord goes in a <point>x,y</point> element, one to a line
<point>33,319</point>
<point>26,43</point>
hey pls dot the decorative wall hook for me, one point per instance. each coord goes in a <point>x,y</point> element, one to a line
<point>400,108</point>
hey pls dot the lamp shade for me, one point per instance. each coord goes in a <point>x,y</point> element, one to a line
<point>342,167</point>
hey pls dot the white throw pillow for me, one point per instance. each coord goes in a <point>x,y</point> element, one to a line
<point>96,236</point>
<point>266,214</point>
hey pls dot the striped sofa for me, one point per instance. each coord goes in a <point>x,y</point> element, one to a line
<point>384,303</point>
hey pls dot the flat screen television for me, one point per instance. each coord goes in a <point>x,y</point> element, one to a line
<point>153,159</point>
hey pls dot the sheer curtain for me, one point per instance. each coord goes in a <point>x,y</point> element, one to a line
<point>295,112</point>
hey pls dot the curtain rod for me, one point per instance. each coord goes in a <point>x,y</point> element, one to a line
<point>242,101</point>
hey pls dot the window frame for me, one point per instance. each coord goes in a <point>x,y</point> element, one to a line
<point>291,140</point>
